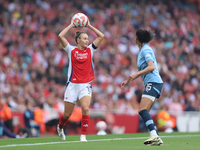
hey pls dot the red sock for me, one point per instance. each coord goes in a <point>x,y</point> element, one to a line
<point>62,122</point>
<point>84,124</point>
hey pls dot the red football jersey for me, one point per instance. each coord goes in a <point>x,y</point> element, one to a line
<point>80,64</point>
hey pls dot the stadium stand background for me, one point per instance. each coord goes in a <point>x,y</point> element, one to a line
<point>33,66</point>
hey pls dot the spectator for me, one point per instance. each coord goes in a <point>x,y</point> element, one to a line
<point>166,122</point>
<point>175,106</point>
<point>39,117</point>
<point>29,118</point>
<point>5,131</point>
<point>5,114</point>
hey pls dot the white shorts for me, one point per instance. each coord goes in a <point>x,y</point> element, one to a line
<point>76,91</point>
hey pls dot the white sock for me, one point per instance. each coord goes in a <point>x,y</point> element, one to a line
<point>153,132</point>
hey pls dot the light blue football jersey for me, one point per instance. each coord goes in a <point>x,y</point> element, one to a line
<point>145,55</point>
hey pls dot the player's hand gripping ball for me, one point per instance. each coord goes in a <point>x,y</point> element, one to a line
<point>80,20</point>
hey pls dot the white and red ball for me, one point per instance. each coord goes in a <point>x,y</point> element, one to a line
<point>80,20</point>
<point>101,125</point>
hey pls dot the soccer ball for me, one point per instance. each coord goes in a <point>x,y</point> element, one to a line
<point>101,125</point>
<point>80,20</point>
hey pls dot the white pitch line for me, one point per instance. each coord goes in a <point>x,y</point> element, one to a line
<point>99,140</point>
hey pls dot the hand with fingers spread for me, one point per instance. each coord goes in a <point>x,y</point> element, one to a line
<point>72,23</point>
<point>129,79</point>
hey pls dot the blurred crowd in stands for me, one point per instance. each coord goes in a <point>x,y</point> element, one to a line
<point>33,65</point>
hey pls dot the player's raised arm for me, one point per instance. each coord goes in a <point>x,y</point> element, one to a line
<point>62,34</point>
<point>100,35</point>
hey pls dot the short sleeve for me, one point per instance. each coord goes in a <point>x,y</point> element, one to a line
<point>92,47</point>
<point>68,48</point>
<point>147,54</point>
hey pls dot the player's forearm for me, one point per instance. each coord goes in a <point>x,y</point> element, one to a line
<point>98,33</point>
<point>146,70</point>
<point>64,31</point>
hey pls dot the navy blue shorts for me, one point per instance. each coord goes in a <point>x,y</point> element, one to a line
<point>153,89</point>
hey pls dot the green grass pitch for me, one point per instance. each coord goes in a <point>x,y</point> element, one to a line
<point>172,141</point>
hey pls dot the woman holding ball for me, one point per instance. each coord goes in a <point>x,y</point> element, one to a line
<point>80,74</point>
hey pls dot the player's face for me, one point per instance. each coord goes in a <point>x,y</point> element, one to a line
<point>84,41</point>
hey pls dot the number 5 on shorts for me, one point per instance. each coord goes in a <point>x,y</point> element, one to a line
<point>148,87</point>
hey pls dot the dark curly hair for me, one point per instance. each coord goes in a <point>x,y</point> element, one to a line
<point>144,36</point>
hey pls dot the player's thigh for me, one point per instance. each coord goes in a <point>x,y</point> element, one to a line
<point>85,104</point>
<point>152,104</point>
<point>85,94</point>
<point>85,101</point>
<point>85,97</point>
<point>70,93</point>
<point>68,108</point>
<point>151,92</point>
<point>146,103</point>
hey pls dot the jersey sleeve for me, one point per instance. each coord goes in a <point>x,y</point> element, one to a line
<point>92,47</point>
<point>68,48</point>
<point>147,54</point>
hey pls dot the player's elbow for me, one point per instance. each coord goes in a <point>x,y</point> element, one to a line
<point>60,36</point>
<point>102,36</point>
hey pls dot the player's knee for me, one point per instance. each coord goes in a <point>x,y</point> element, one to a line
<point>85,110</point>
